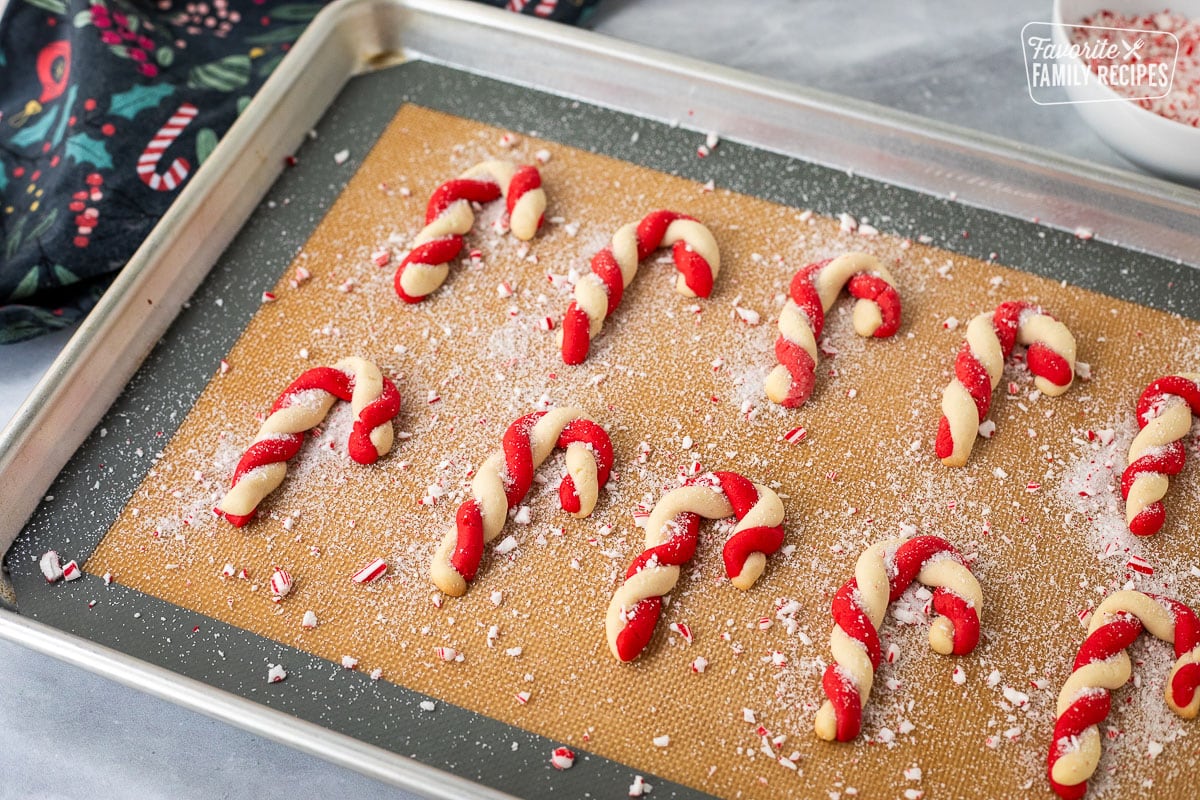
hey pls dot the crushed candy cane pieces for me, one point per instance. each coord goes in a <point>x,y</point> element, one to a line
<point>371,572</point>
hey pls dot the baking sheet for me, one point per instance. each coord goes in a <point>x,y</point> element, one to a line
<point>660,146</point>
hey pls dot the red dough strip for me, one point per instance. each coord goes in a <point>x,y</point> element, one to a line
<point>1102,665</point>
<point>1157,451</point>
<point>277,442</point>
<point>599,294</point>
<point>743,496</point>
<point>858,609</point>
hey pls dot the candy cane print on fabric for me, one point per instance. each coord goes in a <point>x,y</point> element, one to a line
<point>449,216</point>
<point>1164,413</point>
<point>881,575</point>
<point>503,480</point>
<point>598,293</point>
<point>1102,666</point>
<point>980,363</point>
<point>148,161</point>
<point>813,291</point>
<point>301,407</point>
<point>671,533</point>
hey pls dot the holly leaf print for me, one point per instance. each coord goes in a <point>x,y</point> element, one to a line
<point>27,286</point>
<point>297,12</point>
<point>206,142</point>
<point>43,225</point>
<point>53,6</point>
<point>82,19</point>
<point>86,150</point>
<point>64,276</point>
<point>36,131</point>
<point>226,75</point>
<point>68,104</point>
<point>127,104</point>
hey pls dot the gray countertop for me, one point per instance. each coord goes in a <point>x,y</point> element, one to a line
<point>67,733</point>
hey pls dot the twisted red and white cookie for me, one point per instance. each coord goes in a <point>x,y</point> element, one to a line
<point>301,407</point>
<point>671,531</point>
<point>1164,413</point>
<point>881,575</point>
<point>980,363</point>
<point>503,480</point>
<point>598,293</point>
<point>813,291</point>
<point>1103,666</point>
<point>449,217</point>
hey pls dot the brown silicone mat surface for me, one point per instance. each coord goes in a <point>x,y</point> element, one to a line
<point>668,370</point>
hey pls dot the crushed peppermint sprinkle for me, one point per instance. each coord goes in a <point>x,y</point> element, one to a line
<point>683,630</point>
<point>562,758</point>
<point>309,621</point>
<point>51,567</point>
<point>280,583</point>
<point>276,673</point>
<point>639,787</point>
<point>447,653</point>
<point>748,716</point>
<point>268,297</point>
<point>523,697</point>
<point>699,664</point>
<point>428,705</point>
<point>913,773</point>
<point>349,662</point>
<point>1018,699</point>
<point>748,316</point>
<point>371,572</point>
<point>959,676</point>
<point>1139,564</point>
<point>662,741</point>
<point>341,156</point>
<point>506,545</point>
<point>796,435</point>
<point>71,571</point>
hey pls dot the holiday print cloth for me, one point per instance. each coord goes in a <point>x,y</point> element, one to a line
<point>107,108</point>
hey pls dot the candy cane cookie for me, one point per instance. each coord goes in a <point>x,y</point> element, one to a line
<point>1164,414</point>
<point>671,541</point>
<point>813,291</point>
<point>883,572</point>
<point>302,405</point>
<point>449,217</point>
<point>1103,665</point>
<point>598,293</point>
<point>990,339</point>
<point>503,480</point>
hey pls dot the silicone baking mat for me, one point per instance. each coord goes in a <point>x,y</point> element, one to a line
<point>683,376</point>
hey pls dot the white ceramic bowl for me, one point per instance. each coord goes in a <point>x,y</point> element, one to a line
<point>1155,143</point>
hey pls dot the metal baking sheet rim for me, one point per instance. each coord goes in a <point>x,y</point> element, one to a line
<point>148,294</point>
